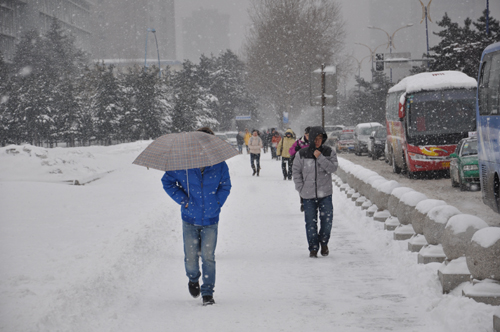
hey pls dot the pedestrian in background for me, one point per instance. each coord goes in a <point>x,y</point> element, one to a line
<point>312,173</point>
<point>301,143</point>
<point>274,144</point>
<point>201,193</point>
<point>255,145</point>
<point>240,140</point>
<point>247,138</point>
<point>283,150</point>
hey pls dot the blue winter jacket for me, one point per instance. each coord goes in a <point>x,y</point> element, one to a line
<point>207,194</point>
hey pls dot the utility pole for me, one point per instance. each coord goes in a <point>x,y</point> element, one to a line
<point>323,97</point>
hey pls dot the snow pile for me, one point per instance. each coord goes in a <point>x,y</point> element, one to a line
<point>435,81</point>
<point>108,256</point>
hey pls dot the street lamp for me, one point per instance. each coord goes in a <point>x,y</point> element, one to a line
<point>372,53</point>
<point>426,14</point>
<point>390,38</point>
<point>487,17</point>
<point>157,51</point>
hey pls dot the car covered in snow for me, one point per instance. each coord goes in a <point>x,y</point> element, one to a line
<point>362,133</point>
<point>222,136</point>
<point>464,169</point>
<point>231,137</point>
<point>345,142</point>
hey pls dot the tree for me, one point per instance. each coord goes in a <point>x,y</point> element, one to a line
<point>193,104</point>
<point>460,48</point>
<point>288,39</point>
<point>367,102</point>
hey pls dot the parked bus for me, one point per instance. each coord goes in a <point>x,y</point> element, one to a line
<point>427,114</point>
<point>488,125</point>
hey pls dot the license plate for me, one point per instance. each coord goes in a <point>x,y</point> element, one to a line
<point>445,164</point>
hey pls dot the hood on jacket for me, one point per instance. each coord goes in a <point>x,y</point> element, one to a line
<point>314,132</point>
<point>291,132</point>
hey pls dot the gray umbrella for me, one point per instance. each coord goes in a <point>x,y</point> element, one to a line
<point>185,150</point>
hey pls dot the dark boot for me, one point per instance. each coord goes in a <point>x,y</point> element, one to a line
<point>324,250</point>
<point>208,300</point>
<point>258,171</point>
<point>313,254</point>
<point>254,170</point>
<point>194,289</point>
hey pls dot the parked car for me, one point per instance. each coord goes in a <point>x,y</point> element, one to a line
<point>376,144</point>
<point>346,141</point>
<point>231,136</point>
<point>334,131</point>
<point>362,135</point>
<point>222,136</point>
<point>464,169</point>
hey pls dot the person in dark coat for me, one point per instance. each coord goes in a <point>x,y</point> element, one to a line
<point>201,193</point>
<point>312,173</point>
<point>240,140</point>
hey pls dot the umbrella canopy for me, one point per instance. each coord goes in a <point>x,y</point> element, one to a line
<point>179,151</point>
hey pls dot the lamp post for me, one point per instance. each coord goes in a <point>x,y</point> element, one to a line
<point>426,15</point>
<point>372,53</point>
<point>487,17</point>
<point>157,51</point>
<point>390,38</point>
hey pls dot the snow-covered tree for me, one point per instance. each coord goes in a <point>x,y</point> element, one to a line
<point>287,40</point>
<point>460,47</point>
<point>193,104</point>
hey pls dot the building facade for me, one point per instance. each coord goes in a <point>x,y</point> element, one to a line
<point>19,16</point>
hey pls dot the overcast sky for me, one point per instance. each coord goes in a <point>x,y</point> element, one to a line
<point>356,16</point>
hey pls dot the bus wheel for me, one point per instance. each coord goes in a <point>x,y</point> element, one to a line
<point>395,168</point>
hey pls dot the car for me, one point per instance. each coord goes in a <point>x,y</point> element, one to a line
<point>345,142</point>
<point>464,169</point>
<point>376,144</point>
<point>334,131</point>
<point>231,136</point>
<point>222,136</point>
<point>362,133</point>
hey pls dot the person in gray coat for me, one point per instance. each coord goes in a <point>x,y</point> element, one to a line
<point>312,173</point>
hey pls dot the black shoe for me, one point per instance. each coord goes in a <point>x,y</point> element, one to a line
<point>254,171</point>
<point>194,289</point>
<point>258,171</point>
<point>313,253</point>
<point>290,178</point>
<point>284,178</point>
<point>208,300</point>
<point>324,250</point>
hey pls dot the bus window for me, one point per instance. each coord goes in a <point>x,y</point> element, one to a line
<point>441,112</point>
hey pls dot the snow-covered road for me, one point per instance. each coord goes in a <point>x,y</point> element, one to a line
<point>108,256</point>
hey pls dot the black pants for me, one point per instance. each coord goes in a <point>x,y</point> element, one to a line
<point>255,157</point>
<point>284,161</point>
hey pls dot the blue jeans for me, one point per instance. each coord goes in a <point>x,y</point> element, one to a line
<point>200,241</point>
<point>311,207</point>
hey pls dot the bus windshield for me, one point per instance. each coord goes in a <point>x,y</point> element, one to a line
<point>441,112</point>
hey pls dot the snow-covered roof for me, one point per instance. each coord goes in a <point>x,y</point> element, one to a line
<point>435,81</point>
<point>368,125</point>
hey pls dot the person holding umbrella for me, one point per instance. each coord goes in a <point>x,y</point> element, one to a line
<point>197,178</point>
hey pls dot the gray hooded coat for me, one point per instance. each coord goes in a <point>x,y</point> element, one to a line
<point>313,176</point>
